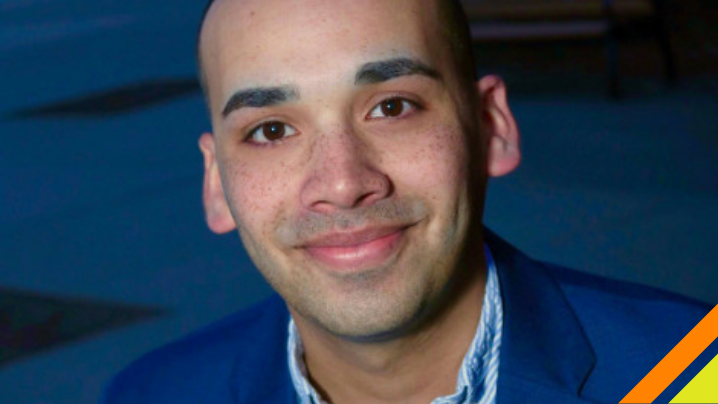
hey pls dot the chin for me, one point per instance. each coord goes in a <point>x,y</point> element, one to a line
<point>371,316</point>
<point>372,305</point>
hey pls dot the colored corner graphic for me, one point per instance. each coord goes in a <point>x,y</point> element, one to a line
<point>703,388</point>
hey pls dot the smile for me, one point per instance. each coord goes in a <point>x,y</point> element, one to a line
<point>356,251</point>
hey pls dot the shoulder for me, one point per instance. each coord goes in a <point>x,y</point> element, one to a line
<point>630,327</point>
<point>603,306</point>
<point>208,358</point>
<point>608,305</point>
<point>612,332</point>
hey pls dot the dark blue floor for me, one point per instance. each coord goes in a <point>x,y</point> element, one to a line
<point>101,205</point>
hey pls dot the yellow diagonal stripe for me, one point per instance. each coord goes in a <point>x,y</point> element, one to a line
<point>682,355</point>
<point>703,388</point>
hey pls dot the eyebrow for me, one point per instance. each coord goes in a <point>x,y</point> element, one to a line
<point>259,97</point>
<point>377,72</point>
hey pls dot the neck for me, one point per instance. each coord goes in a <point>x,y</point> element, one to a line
<point>414,368</point>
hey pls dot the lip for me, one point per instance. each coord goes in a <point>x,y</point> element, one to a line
<point>354,251</point>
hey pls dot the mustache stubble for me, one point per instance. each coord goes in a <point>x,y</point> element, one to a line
<point>295,231</point>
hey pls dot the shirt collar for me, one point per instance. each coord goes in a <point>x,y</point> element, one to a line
<point>476,381</point>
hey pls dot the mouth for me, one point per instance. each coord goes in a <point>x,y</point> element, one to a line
<point>358,250</point>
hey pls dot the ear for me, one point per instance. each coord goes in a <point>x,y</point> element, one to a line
<point>499,127</point>
<point>219,217</point>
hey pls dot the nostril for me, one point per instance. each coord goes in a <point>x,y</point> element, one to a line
<point>345,189</point>
<point>378,189</point>
<point>366,199</point>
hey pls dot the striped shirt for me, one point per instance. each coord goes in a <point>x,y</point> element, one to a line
<point>476,381</point>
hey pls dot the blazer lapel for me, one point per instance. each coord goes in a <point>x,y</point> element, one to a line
<point>545,355</point>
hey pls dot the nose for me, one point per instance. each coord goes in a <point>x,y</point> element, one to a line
<point>345,173</point>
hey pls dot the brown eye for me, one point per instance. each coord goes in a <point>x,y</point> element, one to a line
<point>269,132</point>
<point>392,108</point>
<point>273,130</point>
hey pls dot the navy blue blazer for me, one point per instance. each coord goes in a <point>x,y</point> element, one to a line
<point>568,337</point>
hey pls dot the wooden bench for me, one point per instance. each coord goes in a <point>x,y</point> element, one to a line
<point>506,20</point>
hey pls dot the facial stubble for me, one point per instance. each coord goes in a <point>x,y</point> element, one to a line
<point>373,305</point>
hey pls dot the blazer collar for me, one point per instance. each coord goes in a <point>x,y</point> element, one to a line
<point>544,349</point>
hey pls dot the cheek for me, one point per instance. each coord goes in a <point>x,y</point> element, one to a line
<point>433,163</point>
<point>257,194</point>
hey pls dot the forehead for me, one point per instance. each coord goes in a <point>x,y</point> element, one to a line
<point>250,42</point>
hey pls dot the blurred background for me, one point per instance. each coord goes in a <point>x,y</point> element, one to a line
<point>104,254</point>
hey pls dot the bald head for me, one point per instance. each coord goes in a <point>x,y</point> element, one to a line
<point>452,22</point>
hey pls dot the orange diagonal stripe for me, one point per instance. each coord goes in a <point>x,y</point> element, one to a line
<point>668,369</point>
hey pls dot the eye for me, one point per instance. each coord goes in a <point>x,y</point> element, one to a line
<point>392,108</point>
<point>269,132</point>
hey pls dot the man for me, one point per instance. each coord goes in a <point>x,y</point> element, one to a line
<point>351,150</point>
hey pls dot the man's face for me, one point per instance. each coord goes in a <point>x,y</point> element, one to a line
<point>343,140</point>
